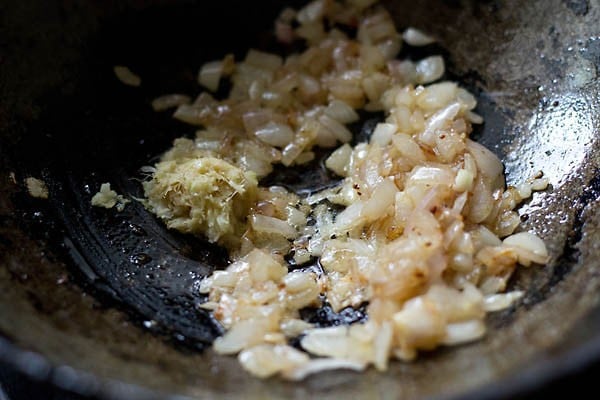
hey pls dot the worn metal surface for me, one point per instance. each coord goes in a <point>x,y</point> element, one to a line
<point>96,300</point>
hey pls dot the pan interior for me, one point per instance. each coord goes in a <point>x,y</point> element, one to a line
<point>116,293</point>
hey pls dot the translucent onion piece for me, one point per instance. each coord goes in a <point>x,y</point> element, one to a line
<point>430,69</point>
<point>415,37</point>
<point>125,75</point>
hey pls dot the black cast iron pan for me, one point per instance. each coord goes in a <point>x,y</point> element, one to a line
<point>104,303</point>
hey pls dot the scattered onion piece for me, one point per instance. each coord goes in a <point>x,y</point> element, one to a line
<point>415,37</point>
<point>125,75</point>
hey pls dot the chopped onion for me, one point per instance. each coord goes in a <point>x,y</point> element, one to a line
<point>278,135</point>
<point>437,95</point>
<point>332,342</point>
<point>290,153</point>
<point>167,101</point>
<point>413,229</point>
<point>262,223</point>
<point>349,218</point>
<point>533,248</point>
<point>311,12</point>
<point>188,114</point>
<point>376,28</point>
<point>540,184</point>
<point>383,346</point>
<point>324,136</point>
<point>466,99</point>
<point>437,121</point>
<point>492,285</point>
<point>430,69</point>
<point>409,149</point>
<point>309,85</point>
<point>298,281</point>
<point>323,364</point>
<point>431,176</point>
<point>341,112</point>
<point>459,204</point>
<point>383,132</point>
<point>381,200</point>
<point>255,119</point>
<point>464,332</point>
<point>474,118</point>
<point>263,60</point>
<point>284,32</point>
<point>305,157</point>
<point>484,237</point>
<point>312,32</point>
<point>403,71</point>
<point>464,181</point>
<point>38,188</point>
<point>224,279</point>
<point>295,327</point>
<point>338,160</point>
<point>295,217</point>
<point>489,164</point>
<point>481,203</point>
<point>210,75</point>
<point>125,75</point>
<point>497,302</point>
<point>242,335</point>
<point>415,37</point>
<point>267,360</point>
<point>339,131</point>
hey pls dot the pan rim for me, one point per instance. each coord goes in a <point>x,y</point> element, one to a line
<point>534,376</point>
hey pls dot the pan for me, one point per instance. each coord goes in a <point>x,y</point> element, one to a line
<point>104,304</point>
